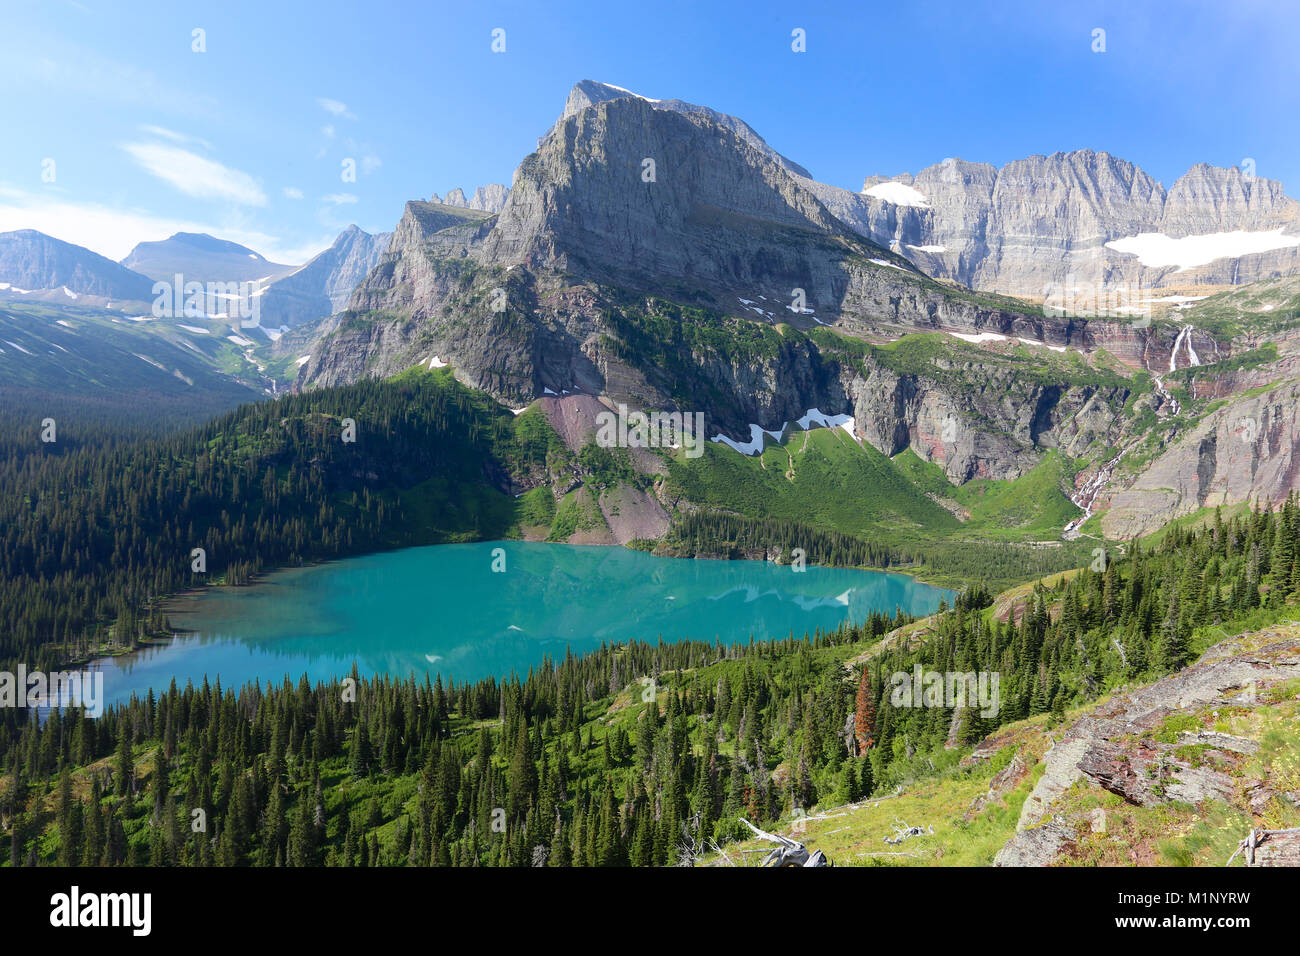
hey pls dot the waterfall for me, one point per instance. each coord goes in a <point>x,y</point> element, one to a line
<point>1184,333</point>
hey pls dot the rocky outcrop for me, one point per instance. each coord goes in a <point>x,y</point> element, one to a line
<point>1148,774</point>
<point>489,199</point>
<point>982,420</point>
<point>1116,746</point>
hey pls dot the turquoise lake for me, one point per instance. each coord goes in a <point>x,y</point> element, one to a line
<point>443,610</point>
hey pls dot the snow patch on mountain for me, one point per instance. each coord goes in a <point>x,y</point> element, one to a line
<point>900,194</point>
<point>1155,249</point>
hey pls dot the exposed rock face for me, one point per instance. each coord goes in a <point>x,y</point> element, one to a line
<point>990,423</point>
<point>717,220</point>
<point>1149,775</point>
<point>1039,846</point>
<point>324,285</point>
<point>1041,225</point>
<point>529,300</point>
<point>589,93</point>
<point>32,261</point>
<point>1244,451</point>
<point>1112,746</point>
<point>627,193</point>
<point>490,198</point>
<point>1212,199</point>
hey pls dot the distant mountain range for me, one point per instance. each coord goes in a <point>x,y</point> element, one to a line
<point>487,199</point>
<point>37,267</point>
<point>34,264</point>
<point>202,258</point>
<point>661,254</point>
<point>1028,227</point>
<point>323,286</point>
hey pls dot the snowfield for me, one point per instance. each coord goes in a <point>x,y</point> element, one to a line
<point>1155,249</point>
<point>899,194</point>
<point>813,418</point>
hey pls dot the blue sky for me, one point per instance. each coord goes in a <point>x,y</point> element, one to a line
<point>247,139</point>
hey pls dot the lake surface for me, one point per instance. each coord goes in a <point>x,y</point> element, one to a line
<point>443,609</point>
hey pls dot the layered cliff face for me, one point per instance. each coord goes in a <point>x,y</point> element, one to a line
<point>1080,218</point>
<point>984,418</point>
<point>1085,220</point>
<point>589,93</point>
<point>621,196</point>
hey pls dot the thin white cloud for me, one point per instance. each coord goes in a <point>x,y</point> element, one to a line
<point>334,107</point>
<point>71,67</point>
<point>328,131</point>
<point>196,175</point>
<point>292,192</point>
<point>339,199</point>
<point>163,133</point>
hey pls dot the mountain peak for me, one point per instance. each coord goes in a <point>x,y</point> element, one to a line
<point>490,198</point>
<point>210,243</point>
<point>201,257</point>
<point>31,260</point>
<point>589,93</point>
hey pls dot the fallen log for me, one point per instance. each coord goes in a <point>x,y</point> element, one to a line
<point>1269,848</point>
<point>788,852</point>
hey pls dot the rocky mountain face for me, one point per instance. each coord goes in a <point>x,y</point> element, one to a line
<point>1044,224</point>
<point>622,196</point>
<point>662,255</point>
<point>1246,450</point>
<point>984,419</point>
<point>589,93</point>
<point>489,198</point>
<point>1084,220</point>
<point>32,263</point>
<point>324,285</point>
<point>202,258</point>
<point>1116,748</point>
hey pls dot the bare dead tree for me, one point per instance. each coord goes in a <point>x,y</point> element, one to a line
<point>904,832</point>
<point>787,852</point>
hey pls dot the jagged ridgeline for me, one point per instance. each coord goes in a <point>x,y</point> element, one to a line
<point>637,754</point>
